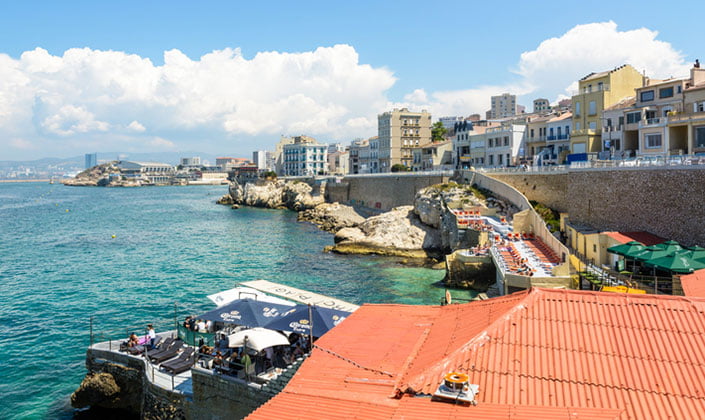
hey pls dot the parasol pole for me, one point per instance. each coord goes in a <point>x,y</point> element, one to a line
<point>310,335</point>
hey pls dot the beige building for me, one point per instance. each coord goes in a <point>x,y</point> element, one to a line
<point>689,124</point>
<point>501,106</point>
<point>399,132</point>
<point>597,91</point>
<point>541,106</point>
<point>433,156</point>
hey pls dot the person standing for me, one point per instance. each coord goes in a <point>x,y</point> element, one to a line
<point>152,335</point>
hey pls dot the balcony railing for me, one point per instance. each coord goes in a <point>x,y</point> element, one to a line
<point>653,121</point>
<point>585,132</point>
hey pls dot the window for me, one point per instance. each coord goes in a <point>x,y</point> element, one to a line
<point>592,125</point>
<point>621,121</point>
<point>577,125</point>
<point>599,86</point>
<point>609,122</point>
<point>700,137</point>
<point>665,92</point>
<point>491,159</point>
<point>592,108</point>
<point>647,95</point>
<point>532,133</point>
<point>633,117</point>
<point>506,141</point>
<point>489,143</point>
<point>499,159</point>
<point>577,108</point>
<point>678,88</point>
<point>652,141</point>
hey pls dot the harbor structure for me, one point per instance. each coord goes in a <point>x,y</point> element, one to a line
<point>153,172</point>
<point>399,131</point>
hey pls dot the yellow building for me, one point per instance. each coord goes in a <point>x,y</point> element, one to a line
<point>597,91</point>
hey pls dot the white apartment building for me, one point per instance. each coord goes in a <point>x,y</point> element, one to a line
<point>305,157</point>
<point>504,105</point>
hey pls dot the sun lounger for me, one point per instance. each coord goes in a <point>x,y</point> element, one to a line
<point>185,354</point>
<point>161,346</point>
<point>182,363</point>
<point>168,353</point>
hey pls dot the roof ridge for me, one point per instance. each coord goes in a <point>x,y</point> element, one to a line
<point>584,383</point>
<point>481,337</point>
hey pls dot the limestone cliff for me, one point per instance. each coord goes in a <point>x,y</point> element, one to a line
<point>98,175</point>
<point>398,232</point>
<point>277,194</point>
<point>331,217</point>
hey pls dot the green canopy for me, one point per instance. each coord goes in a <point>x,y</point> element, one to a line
<point>676,263</point>
<point>670,246</point>
<point>650,253</point>
<point>628,249</point>
<point>695,252</point>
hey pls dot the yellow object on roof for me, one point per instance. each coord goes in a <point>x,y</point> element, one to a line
<point>622,289</point>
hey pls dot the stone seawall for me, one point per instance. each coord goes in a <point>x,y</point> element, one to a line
<point>548,189</point>
<point>382,192</point>
<point>669,202</point>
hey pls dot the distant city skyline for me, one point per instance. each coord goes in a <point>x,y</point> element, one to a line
<point>231,78</point>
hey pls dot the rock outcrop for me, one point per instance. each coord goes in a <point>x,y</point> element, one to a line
<point>398,232</point>
<point>116,387</point>
<point>98,175</point>
<point>428,203</point>
<point>331,217</point>
<point>293,195</point>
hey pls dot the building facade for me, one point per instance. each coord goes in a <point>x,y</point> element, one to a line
<point>91,160</point>
<point>541,106</point>
<point>305,157</point>
<point>399,131</point>
<point>598,91</point>
<point>502,106</point>
<point>259,158</point>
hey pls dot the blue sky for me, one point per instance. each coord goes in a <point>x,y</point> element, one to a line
<point>351,61</point>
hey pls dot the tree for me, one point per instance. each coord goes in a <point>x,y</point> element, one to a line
<point>438,132</point>
<point>399,167</point>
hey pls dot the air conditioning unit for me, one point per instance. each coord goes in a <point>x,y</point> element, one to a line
<point>455,388</point>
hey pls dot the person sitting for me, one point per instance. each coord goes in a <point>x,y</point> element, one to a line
<point>201,326</point>
<point>133,341</point>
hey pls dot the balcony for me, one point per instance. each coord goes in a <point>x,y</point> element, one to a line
<point>585,132</point>
<point>653,122</point>
<point>593,89</point>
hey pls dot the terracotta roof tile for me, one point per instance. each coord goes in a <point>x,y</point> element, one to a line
<point>540,354</point>
<point>694,284</point>
<point>645,238</point>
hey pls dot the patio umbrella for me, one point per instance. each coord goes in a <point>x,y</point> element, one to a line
<point>650,253</point>
<point>247,312</point>
<point>627,249</point>
<point>670,246</point>
<point>695,252</point>
<point>676,263</point>
<point>299,320</point>
<point>257,339</point>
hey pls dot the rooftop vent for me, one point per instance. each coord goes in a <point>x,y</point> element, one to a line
<point>455,388</point>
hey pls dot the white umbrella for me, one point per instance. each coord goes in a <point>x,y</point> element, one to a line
<point>257,339</point>
<point>227,296</point>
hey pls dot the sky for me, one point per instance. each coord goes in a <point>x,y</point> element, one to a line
<point>228,78</point>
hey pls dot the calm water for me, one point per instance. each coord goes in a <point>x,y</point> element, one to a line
<point>59,265</point>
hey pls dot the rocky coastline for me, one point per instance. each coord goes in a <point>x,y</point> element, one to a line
<point>421,234</point>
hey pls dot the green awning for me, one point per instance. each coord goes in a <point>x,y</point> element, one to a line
<point>628,249</point>
<point>695,252</point>
<point>650,253</point>
<point>670,246</point>
<point>678,262</point>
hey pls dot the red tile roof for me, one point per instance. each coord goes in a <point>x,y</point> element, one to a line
<point>539,354</point>
<point>645,238</point>
<point>694,284</point>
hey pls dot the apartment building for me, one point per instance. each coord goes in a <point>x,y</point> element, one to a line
<point>536,129</point>
<point>598,91</point>
<point>433,156</point>
<point>305,157</point>
<point>504,144</point>
<point>541,106</point>
<point>501,106</point>
<point>469,144</point>
<point>355,164</point>
<point>558,138</point>
<point>399,131</point>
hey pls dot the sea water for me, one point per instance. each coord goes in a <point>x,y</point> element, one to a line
<point>126,257</point>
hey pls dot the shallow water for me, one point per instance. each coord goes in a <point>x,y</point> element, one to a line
<point>60,265</point>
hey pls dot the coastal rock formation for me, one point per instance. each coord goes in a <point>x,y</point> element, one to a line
<point>428,203</point>
<point>398,232</point>
<point>115,386</point>
<point>332,217</point>
<point>292,195</point>
<point>92,177</point>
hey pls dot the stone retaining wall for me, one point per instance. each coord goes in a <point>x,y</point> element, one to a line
<point>382,192</point>
<point>669,202</point>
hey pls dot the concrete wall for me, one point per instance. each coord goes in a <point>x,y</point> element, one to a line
<point>669,202</point>
<point>382,192</point>
<point>549,189</point>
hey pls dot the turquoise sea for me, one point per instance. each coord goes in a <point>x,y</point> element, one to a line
<point>173,246</point>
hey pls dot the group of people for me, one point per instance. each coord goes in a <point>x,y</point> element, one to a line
<point>232,360</point>
<point>198,325</point>
<point>148,340</point>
